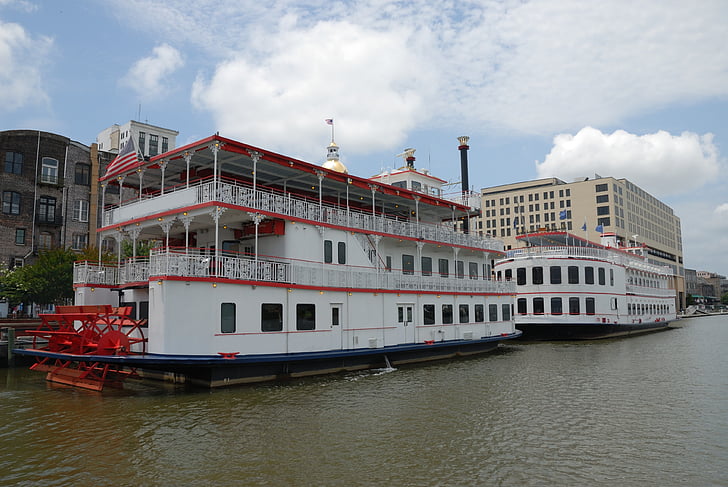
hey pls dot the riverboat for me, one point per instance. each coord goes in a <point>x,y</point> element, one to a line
<point>568,288</point>
<point>269,267</point>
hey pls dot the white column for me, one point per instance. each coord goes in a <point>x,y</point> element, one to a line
<point>188,157</point>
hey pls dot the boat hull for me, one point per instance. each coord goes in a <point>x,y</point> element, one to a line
<point>584,331</point>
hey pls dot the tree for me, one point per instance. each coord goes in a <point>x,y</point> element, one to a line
<point>689,300</point>
<point>48,281</point>
<point>724,299</point>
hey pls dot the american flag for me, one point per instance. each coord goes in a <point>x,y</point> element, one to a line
<point>127,158</point>
<point>329,121</point>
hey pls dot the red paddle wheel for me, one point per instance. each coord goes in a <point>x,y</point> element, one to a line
<point>79,333</point>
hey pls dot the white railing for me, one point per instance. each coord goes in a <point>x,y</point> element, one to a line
<point>296,207</point>
<point>650,291</point>
<point>92,273</point>
<point>195,264</point>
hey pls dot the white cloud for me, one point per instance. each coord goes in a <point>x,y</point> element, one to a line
<point>367,80</point>
<point>149,75</point>
<point>661,163</point>
<point>21,58</point>
<point>720,215</point>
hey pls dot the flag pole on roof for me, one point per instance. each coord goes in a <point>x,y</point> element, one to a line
<point>128,158</point>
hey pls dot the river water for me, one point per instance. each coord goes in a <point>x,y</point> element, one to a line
<point>646,410</point>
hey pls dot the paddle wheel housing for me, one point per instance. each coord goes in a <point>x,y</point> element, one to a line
<point>74,335</point>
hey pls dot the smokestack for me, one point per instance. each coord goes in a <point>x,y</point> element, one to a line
<point>463,148</point>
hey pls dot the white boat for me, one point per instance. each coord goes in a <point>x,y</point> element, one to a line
<point>568,288</point>
<point>269,267</point>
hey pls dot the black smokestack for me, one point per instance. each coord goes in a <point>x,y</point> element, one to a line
<point>464,176</point>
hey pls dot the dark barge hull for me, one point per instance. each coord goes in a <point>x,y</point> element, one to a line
<point>584,331</point>
<point>216,371</point>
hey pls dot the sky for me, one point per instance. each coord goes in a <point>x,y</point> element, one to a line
<point>565,88</point>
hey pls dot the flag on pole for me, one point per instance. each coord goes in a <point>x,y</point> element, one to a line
<point>600,228</point>
<point>583,227</point>
<point>329,121</point>
<point>127,158</point>
<point>562,215</point>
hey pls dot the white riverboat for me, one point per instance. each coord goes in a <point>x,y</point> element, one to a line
<point>568,288</point>
<point>269,267</point>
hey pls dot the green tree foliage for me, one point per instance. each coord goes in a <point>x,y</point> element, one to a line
<point>724,298</point>
<point>48,281</point>
<point>91,254</point>
<point>689,300</point>
<point>143,248</point>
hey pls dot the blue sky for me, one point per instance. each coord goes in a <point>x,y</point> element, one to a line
<point>635,90</point>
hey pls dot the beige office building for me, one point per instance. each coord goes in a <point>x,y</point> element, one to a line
<point>586,208</point>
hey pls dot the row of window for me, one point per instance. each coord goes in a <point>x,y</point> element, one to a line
<point>153,144</point>
<point>639,309</point>
<point>557,308</point>
<point>573,275</point>
<point>46,207</point>
<point>49,169</point>
<point>271,315</point>
<point>531,197</point>
<point>79,241</point>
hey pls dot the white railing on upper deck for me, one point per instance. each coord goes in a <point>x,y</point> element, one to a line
<point>297,207</point>
<point>650,291</point>
<point>565,252</point>
<point>199,265</point>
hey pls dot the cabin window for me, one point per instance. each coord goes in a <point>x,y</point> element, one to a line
<point>486,271</point>
<point>143,310</point>
<point>574,306</point>
<point>506,310</point>
<point>538,306</point>
<point>479,313</point>
<point>426,266</point>
<point>447,313</point>
<point>227,317</point>
<point>388,263</point>
<point>341,252</point>
<point>556,307</point>
<point>305,317</point>
<point>464,310</point>
<point>611,277</point>
<point>602,278</point>
<point>492,312</point>
<point>404,314</point>
<point>509,274</point>
<point>614,303</point>
<point>537,275</point>
<point>521,276</point>
<point>573,272</point>
<point>271,317</point>
<point>335,316</point>
<point>589,275</point>
<point>408,264</point>
<point>473,270</point>
<point>460,269</point>
<point>590,306</point>
<point>521,306</point>
<point>428,314</point>
<point>555,272</point>
<point>328,251</point>
<point>443,267</point>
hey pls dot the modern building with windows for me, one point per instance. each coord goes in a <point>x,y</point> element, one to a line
<point>149,140</point>
<point>587,208</point>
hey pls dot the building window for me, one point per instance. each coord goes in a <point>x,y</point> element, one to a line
<point>80,241</point>
<point>49,171</point>
<point>574,306</point>
<point>14,162</point>
<point>11,203</point>
<point>227,317</point>
<point>556,308</point>
<point>447,314</point>
<point>492,312</point>
<point>603,198</point>
<point>573,272</point>
<point>601,187</point>
<point>443,267</point>
<point>602,210</point>
<point>408,264</point>
<point>45,241</point>
<point>428,314</point>
<point>142,143</point>
<point>341,252</point>
<point>80,210</point>
<point>20,236</point>
<point>271,317</point>
<point>555,272</point>
<point>47,209</point>
<point>328,251</point>
<point>464,310</point>
<point>83,174</point>
<point>305,317</point>
<point>153,145</point>
<point>521,306</point>
<point>165,144</point>
<point>479,313</point>
<point>426,266</point>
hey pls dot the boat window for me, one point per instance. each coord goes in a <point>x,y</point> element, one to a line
<point>556,308</point>
<point>590,306</point>
<point>464,310</point>
<point>602,278</point>
<point>428,314</point>
<point>611,277</point>
<point>227,317</point>
<point>555,272</point>
<point>573,272</point>
<point>574,306</point>
<point>538,306</point>
<point>492,312</point>
<point>506,310</point>
<point>443,265</point>
<point>509,274</point>
<point>328,251</point>
<point>589,275</point>
<point>271,317</point>
<point>408,264</point>
<point>426,266</point>
<point>335,316</point>
<point>460,269</point>
<point>479,313</point>
<point>537,275</point>
<point>447,313</point>
<point>341,252</point>
<point>305,317</point>
<point>486,271</point>
<point>388,263</point>
<point>473,270</point>
<point>521,304</point>
<point>521,276</point>
<point>614,303</point>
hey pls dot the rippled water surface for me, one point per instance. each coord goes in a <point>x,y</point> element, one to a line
<point>646,410</point>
